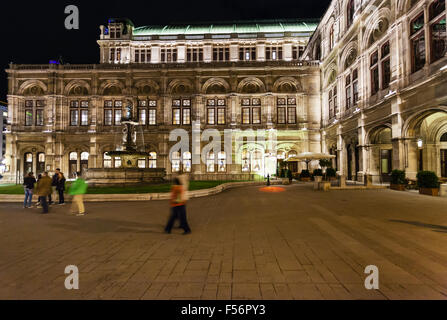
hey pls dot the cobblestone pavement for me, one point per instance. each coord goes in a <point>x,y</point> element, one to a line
<point>245,244</point>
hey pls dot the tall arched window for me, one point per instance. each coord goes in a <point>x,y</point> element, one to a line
<point>331,38</point>
<point>107,160</point>
<point>257,163</point>
<point>84,161</point>
<point>245,161</point>
<point>187,163</point>
<point>73,164</point>
<point>210,162</point>
<point>152,160</point>
<point>40,162</point>
<point>438,33</point>
<point>222,161</point>
<point>175,162</point>
<point>350,13</point>
<point>28,163</point>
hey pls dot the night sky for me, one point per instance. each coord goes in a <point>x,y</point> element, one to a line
<point>35,33</point>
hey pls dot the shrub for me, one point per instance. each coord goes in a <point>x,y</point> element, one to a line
<point>318,172</point>
<point>330,172</point>
<point>325,163</point>
<point>398,177</point>
<point>305,174</point>
<point>427,179</point>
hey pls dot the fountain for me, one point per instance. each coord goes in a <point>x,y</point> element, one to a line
<point>128,173</point>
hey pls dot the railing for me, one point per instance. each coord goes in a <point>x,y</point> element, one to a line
<point>186,65</point>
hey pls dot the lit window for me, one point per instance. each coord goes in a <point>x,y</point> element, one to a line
<point>210,162</point>
<point>107,161</point>
<point>175,162</point>
<point>152,160</point>
<point>222,162</point>
<point>187,162</point>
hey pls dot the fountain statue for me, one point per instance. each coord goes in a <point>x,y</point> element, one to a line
<point>128,154</point>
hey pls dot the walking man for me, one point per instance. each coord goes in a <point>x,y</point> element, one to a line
<point>28,184</point>
<point>178,210</point>
<point>43,190</point>
<point>77,190</point>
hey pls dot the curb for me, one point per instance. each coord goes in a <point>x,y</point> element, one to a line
<point>146,196</point>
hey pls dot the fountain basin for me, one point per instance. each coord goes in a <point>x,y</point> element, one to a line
<point>124,176</point>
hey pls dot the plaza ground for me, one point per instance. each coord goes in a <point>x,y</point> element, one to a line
<point>246,244</point>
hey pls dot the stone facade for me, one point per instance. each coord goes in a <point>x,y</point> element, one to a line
<point>68,116</point>
<point>384,86</point>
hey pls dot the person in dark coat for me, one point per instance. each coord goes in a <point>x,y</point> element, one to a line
<point>54,182</point>
<point>28,184</point>
<point>60,187</point>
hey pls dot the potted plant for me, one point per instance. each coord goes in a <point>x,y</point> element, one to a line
<point>428,183</point>
<point>318,175</point>
<point>331,174</point>
<point>305,175</point>
<point>398,181</point>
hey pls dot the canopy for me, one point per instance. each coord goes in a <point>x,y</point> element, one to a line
<point>309,156</point>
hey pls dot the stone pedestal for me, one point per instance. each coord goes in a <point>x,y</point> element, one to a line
<point>342,181</point>
<point>367,180</point>
<point>317,180</point>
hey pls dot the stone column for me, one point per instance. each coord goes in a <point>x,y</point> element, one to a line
<point>412,158</point>
<point>340,151</point>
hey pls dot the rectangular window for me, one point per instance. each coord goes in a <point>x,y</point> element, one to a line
<point>211,116</point>
<point>256,115</point>
<point>137,56</point>
<point>39,117</point>
<point>107,117</point>
<point>175,116</point>
<point>118,116</point>
<point>220,116</point>
<point>194,55</point>
<point>118,54</point>
<point>186,116</point>
<point>221,54</point>
<point>108,103</point>
<point>142,116</point>
<point>386,73</point>
<point>273,53</point>
<point>29,117</point>
<point>291,115</point>
<point>152,117</point>
<point>112,55</point>
<point>168,55</point>
<point>74,117</point>
<point>245,115</point>
<point>29,103</point>
<point>84,117</point>
<point>282,115</point>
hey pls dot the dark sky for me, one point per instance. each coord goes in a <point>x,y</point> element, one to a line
<point>34,32</point>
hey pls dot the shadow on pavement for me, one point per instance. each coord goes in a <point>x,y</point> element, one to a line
<point>439,228</point>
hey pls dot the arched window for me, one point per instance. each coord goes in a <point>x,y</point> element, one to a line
<point>256,165</point>
<point>292,153</point>
<point>187,162</point>
<point>152,160</point>
<point>281,155</point>
<point>444,137</point>
<point>40,162</point>
<point>73,164</point>
<point>331,38</point>
<point>210,159</point>
<point>438,35</point>
<point>28,163</point>
<point>84,161</point>
<point>245,161</point>
<point>350,13</point>
<point>175,162</point>
<point>107,160</point>
<point>222,161</point>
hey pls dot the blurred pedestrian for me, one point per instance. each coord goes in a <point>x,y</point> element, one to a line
<point>43,190</point>
<point>54,181</point>
<point>60,187</point>
<point>77,190</point>
<point>178,210</point>
<point>28,184</point>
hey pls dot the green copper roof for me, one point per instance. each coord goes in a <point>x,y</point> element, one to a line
<point>262,26</point>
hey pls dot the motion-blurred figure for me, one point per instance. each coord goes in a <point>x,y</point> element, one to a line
<point>43,190</point>
<point>77,190</point>
<point>178,210</point>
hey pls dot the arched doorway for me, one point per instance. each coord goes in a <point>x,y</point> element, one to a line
<point>84,161</point>
<point>72,164</point>
<point>381,153</point>
<point>27,163</point>
<point>40,168</point>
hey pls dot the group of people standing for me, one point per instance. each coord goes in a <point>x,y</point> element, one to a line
<point>46,189</point>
